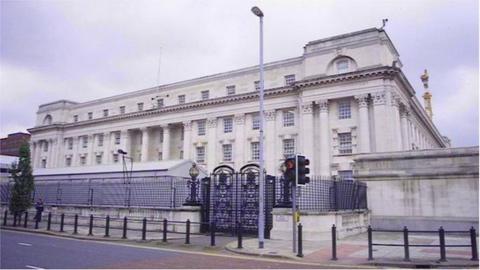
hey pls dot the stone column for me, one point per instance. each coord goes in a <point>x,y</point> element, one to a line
<point>397,131</point>
<point>60,158</point>
<point>145,144</point>
<point>125,142</point>
<point>382,122</point>
<point>363,123</point>
<point>270,142</point>
<point>91,153</point>
<point>166,142</point>
<point>107,145</point>
<point>33,153</point>
<point>324,139</point>
<point>307,134</point>
<point>212,143</point>
<point>239,149</point>
<point>187,140</point>
<point>50,154</point>
<point>405,134</point>
<point>75,158</point>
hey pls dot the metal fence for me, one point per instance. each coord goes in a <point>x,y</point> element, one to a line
<point>153,191</point>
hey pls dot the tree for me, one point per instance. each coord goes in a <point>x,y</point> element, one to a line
<point>22,176</point>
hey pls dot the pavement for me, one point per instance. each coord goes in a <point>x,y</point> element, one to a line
<point>352,252</point>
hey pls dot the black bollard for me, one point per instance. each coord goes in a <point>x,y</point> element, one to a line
<point>212,234</point>
<point>124,235</point>
<point>240,236</point>
<point>62,219</point>
<point>144,229</point>
<point>370,247</point>
<point>49,221</point>
<point>19,221</point>
<point>441,234</point>
<point>36,223</point>
<point>334,243</point>
<point>14,219</point>
<point>300,241</point>
<point>25,220</point>
<point>75,224</point>
<point>90,225</point>
<point>107,226</point>
<point>473,241</point>
<point>5,216</point>
<point>405,244</point>
<point>187,235</point>
<point>165,225</point>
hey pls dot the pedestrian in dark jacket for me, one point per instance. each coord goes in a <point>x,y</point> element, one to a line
<point>39,208</point>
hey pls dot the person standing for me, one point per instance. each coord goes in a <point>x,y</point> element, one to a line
<point>39,208</point>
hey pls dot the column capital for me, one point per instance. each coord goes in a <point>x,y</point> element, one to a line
<point>212,122</point>
<point>270,115</point>
<point>323,104</point>
<point>395,100</point>
<point>164,126</point>
<point>240,119</point>
<point>379,98</point>
<point>362,100</point>
<point>187,125</point>
<point>307,108</point>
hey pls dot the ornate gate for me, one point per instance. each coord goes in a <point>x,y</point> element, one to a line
<point>233,199</point>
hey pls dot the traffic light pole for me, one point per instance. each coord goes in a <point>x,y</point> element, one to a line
<point>294,207</point>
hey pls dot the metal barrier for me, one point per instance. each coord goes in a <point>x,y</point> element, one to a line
<point>406,245</point>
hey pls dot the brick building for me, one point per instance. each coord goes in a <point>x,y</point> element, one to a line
<point>10,145</point>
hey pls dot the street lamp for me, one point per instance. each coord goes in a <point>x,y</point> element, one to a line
<point>261,204</point>
<point>193,183</point>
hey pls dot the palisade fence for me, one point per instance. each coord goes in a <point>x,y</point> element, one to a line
<point>321,194</point>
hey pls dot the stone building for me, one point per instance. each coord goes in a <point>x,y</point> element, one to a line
<point>10,146</point>
<point>344,95</point>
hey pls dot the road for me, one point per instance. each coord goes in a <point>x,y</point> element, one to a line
<point>36,251</point>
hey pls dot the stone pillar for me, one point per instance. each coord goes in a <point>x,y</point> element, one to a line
<point>270,142</point>
<point>397,131</point>
<point>145,144</point>
<point>51,154</point>
<point>212,143</point>
<point>187,140</point>
<point>382,122</point>
<point>363,123</point>
<point>125,142</point>
<point>166,142</point>
<point>239,149</point>
<point>75,148</point>
<point>33,153</point>
<point>91,152</point>
<point>107,145</point>
<point>307,134</point>
<point>60,155</point>
<point>324,139</point>
<point>405,133</point>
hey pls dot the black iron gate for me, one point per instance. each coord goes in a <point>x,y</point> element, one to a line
<point>232,198</point>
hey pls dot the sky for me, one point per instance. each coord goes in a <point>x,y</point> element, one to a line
<point>84,50</point>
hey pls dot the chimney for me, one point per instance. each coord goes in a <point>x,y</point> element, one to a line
<point>427,96</point>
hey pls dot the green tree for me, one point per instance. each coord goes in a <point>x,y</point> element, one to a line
<point>23,186</point>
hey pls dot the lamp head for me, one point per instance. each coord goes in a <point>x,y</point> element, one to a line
<point>257,11</point>
<point>120,151</point>
<point>193,171</point>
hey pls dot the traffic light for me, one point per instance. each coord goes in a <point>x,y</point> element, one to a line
<point>303,170</point>
<point>289,173</point>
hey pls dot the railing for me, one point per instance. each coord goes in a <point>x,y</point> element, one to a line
<point>406,245</point>
<point>125,225</point>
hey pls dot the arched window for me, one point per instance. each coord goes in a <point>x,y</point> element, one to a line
<point>341,64</point>
<point>47,120</point>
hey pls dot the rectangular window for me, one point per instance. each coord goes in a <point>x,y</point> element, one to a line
<point>290,79</point>
<point>117,137</point>
<point>105,113</point>
<point>70,143</point>
<point>122,109</point>
<point>344,111</point>
<point>227,125</point>
<point>84,141</point>
<point>98,159</point>
<point>75,118</point>
<point>44,163</point>
<point>90,115</point>
<point>200,154</point>
<point>255,148</point>
<point>115,158</point>
<point>160,103</point>
<point>181,154</point>
<point>201,127</point>
<point>45,146</point>
<point>205,94</point>
<point>288,147</point>
<point>140,106</point>
<point>160,156</point>
<point>345,175</point>
<point>345,143</point>
<point>161,135</point>
<point>227,152</point>
<point>288,119</point>
<point>181,99</point>
<point>100,139</point>
<point>68,161</point>
<point>230,90</point>
<point>256,121</point>
<point>257,85</point>
<point>83,160</point>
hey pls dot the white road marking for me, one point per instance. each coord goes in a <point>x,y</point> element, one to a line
<point>33,267</point>
<point>25,244</point>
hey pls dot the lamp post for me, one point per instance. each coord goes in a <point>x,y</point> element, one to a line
<point>192,200</point>
<point>261,204</point>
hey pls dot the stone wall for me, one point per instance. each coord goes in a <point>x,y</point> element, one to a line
<point>422,189</point>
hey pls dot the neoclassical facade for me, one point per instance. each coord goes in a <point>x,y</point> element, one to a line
<point>345,95</point>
